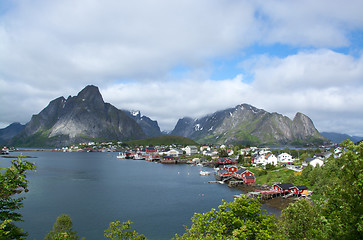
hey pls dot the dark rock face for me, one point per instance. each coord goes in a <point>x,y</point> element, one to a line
<point>150,127</point>
<point>80,118</point>
<point>9,132</point>
<point>246,124</point>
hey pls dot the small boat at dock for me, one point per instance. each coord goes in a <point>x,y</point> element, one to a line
<point>121,155</point>
<point>204,172</point>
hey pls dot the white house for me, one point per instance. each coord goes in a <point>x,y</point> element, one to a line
<point>337,152</point>
<point>174,152</point>
<point>285,158</point>
<point>313,161</point>
<point>264,151</point>
<point>271,159</point>
<point>190,150</point>
<point>204,148</point>
<point>316,161</point>
<point>266,159</point>
<point>210,153</point>
<point>245,151</point>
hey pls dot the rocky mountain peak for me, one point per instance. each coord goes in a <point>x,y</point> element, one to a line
<point>92,95</point>
<point>79,118</point>
<point>247,124</point>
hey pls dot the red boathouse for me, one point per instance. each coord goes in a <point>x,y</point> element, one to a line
<point>245,175</point>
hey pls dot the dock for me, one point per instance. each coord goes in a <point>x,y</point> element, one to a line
<point>220,182</point>
<point>265,195</point>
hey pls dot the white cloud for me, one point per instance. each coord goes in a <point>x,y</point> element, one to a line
<point>130,48</point>
<point>323,23</point>
<point>321,84</point>
<point>168,101</point>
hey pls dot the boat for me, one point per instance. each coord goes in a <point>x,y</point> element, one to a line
<point>121,155</point>
<point>139,156</point>
<point>204,172</point>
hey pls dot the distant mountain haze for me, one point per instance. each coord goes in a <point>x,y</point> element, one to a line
<point>9,132</point>
<point>339,137</point>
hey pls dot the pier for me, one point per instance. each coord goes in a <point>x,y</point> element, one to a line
<point>270,194</point>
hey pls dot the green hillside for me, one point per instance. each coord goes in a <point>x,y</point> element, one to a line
<point>162,140</point>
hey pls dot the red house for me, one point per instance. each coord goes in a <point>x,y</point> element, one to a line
<point>283,187</point>
<point>225,161</point>
<point>298,190</point>
<point>244,175</point>
<point>226,172</point>
<point>168,159</point>
<point>150,150</point>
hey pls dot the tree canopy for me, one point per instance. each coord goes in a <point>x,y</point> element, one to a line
<point>62,229</point>
<point>12,181</point>
<point>240,219</point>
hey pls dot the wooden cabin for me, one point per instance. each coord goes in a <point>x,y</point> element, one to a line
<point>250,179</point>
<point>298,190</point>
<point>168,159</point>
<point>283,187</point>
<point>242,174</point>
<point>225,161</point>
<point>227,171</point>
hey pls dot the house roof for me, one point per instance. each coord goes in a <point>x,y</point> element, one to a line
<point>303,187</point>
<point>285,186</point>
<point>308,159</point>
<point>224,159</point>
<point>241,170</point>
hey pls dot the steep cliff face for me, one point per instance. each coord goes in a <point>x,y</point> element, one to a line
<point>246,124</point>
<point>150,127</point>
<point>80,118</point>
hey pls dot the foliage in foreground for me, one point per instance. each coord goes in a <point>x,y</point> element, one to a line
<point>339,215</point>
<point>62,229</point>
<point>12,180</point>
<point>240,219</point>
<point>123,231</point>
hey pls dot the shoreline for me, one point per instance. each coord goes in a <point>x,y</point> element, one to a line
<point>278,202</point>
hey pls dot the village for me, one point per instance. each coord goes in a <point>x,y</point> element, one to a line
<point>232,165</point>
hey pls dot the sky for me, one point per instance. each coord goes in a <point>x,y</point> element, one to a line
<point>173,59</point>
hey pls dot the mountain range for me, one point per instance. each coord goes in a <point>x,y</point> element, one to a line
<point>245,124</point>
<point>77,119</point>
<point>340,137</point>
<point>86,117</point>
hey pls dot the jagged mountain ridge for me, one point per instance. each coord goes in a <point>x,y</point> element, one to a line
<point>150,127</point>
<point>10,131</point>
<point>246,124</point>
<point>80,118</point>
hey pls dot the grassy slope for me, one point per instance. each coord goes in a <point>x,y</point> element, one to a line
<point>269,177</point>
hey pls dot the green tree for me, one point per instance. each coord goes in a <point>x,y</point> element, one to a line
<point>344,206</point>
<point>122,231</point>
<point>62,229</point>
<point>240,219</point>
<point>12,181</point>
<point>339,213</point>
<point>223,153</point>
<point>300,220</point>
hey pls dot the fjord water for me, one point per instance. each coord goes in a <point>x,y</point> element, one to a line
<point>95,189</point>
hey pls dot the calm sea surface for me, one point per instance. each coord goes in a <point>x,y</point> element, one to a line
<point>97,188</point>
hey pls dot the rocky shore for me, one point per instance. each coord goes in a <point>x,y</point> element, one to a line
<point>278,202</point>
